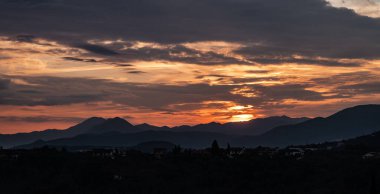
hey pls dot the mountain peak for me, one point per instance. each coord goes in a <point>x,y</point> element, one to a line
<point>116,124</point>
<point>146,125</point>
<point>209,124</point>
<point>117,119</point>
<point>345,124</point>
<point>149,127</point>
<point>94,118</point>
<point>85,125</point>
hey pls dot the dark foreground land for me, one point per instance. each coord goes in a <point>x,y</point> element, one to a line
<point>259,171</point>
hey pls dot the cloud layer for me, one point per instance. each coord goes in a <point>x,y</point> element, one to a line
<point>184,61</point>
<point>268,27</point>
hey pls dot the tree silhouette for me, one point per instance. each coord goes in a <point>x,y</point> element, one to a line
<point>215,147</point>
<point>228,148</point>
<point>177,150</point>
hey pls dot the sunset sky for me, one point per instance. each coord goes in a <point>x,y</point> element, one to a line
<point>175,62</point>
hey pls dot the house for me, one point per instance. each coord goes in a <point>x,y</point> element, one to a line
<point>298,153</point>
<point>371,155</point>
<point>159,152</point>
<point>104,153</point>
<point>117,177</point>
<point>234,152</point>
<point>265,151</point>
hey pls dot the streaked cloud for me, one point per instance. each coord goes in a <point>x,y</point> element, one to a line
<point>270,27</point>
<point>184,61</point>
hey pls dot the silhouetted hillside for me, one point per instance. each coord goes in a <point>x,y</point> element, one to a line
<point>148,127</point>
<point>252,127</point>
<point>348,123</point>
<point>368,141</point>
<point>10,140</point>
<point>117,139</point>
<point>101,125</point>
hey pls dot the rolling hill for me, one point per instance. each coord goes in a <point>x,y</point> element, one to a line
<point>96,125</point>
<point>345,124</point>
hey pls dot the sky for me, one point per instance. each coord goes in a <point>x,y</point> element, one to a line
<point>176,62</point>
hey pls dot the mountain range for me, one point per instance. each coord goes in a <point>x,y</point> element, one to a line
<point>345,124</point>
<point>253,127</point>
<point>96,125</point>
<point>272,131</point>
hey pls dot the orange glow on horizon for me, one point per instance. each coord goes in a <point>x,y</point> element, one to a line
<point>241,118</point>
<point>248,95</point>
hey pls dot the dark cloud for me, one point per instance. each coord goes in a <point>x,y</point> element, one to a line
<point>243,80</point>
<point>255,79</point>
<point>80,59</point>
<point>123,65</point>
<point>4,83</point>
<point>345,78</point>
<point>25,38</point>
<point>30,91</point>
<point>97,49</point>
<point>291,91</point>
<point>268,27</point>
<point>347,85</point>
<point>178,53</point>
<point>40,119</point>
<point>136,72</point>
<point>277,93</point>
<point>323,62</point>
<point>71,51</point>
<point>127,52</point>
<point>20,50</point>
<point>62,91</point>
<point>212,75</point>
<point>362,88</point>
<point>258,71</point>
<point>29,2</point>
<point>49,91</point>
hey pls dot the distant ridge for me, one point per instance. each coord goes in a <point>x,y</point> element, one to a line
<point>148,127</point>
<point>345,124</point>
<point>253,127</point>
<point>117,139</point>
<point>90,125</point>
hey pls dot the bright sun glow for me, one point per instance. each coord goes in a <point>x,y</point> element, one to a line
<point>242,117</point>
<point>240,107</point>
